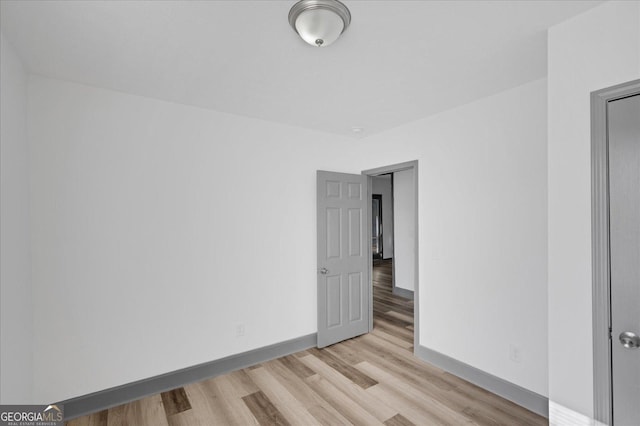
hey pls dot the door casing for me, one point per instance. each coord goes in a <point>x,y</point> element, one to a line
<point>601,272</point>
<point>377,172</point>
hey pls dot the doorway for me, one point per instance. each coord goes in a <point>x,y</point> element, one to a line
<point>394,274</point>
<point>615,174</point>
<point>376,226</point>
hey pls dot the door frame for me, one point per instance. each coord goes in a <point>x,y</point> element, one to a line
<point>601,272</point>
<point>377,172</point>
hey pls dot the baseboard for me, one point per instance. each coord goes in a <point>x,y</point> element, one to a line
<point>401,292</point>
<point>519,395</point>
<point>97,401</point>
<point>561,416</point>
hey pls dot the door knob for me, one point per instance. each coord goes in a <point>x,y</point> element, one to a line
<point>324,271</point>
<point>629,340</point>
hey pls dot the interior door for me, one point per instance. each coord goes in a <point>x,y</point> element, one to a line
<point>343,291</point>
<point>624,189</point>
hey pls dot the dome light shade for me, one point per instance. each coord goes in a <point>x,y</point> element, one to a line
<point>319,22</point>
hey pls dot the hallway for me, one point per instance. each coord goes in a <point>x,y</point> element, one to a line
<point>392,315</point>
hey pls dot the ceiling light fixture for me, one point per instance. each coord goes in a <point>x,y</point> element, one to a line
<point>319,22</point>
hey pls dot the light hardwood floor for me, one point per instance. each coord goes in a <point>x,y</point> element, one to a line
<point>370,380</point>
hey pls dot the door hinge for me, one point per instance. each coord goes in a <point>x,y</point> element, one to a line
<point>610,333</point>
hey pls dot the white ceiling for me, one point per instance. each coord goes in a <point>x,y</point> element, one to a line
<point>398,61</point>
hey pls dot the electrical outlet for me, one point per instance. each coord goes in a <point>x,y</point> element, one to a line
<point>240,329</point>
<point>515,353</point>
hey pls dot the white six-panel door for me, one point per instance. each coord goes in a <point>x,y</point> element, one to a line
<point>624,217</point>
<point>343,290</point>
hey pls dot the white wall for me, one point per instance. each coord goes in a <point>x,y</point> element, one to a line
<point>147,250</point>
<point>16,309</point>
<point>143,236</point>
<point>594,50</point>
<point>382,186</point>
<point>482,229</point>
<point>404,219</point>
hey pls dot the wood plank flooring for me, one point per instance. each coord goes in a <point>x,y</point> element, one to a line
<point>373,379</point>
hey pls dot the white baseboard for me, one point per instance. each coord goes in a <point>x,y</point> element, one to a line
<point>563,416</point>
